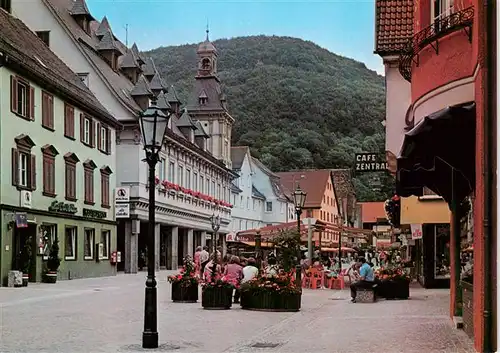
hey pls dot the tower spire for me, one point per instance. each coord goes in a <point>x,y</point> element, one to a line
<point>208,31</point>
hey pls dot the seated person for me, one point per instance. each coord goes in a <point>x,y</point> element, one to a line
<point>365,281</point>
<point>272,269</point>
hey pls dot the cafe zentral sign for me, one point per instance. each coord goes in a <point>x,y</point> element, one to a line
<point>370,162</point>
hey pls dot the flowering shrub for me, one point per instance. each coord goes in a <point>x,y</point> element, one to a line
<point>283,283</point>
<point>219,282</point>
<point>396,273</point>
<point>187,276</point>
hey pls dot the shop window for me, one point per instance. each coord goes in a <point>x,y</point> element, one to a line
<point>88,244</point>
<point>70,243</point>
<point>49,235</point>
<point>442,251</point>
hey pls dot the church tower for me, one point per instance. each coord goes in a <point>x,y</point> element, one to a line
<point>207,103</point>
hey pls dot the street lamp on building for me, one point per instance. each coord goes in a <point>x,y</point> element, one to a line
<point>215,220</point>
<point>299,200</point>
<point>153,124</point>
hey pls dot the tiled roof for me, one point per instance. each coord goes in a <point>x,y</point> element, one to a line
<point>149,68</point>
<point>207,87</point>
<point>393,25</point>
<point>28,53</point>
<point>370,211</point>
<point>103,27</point>
<point>129,60</point>
<point>172,95</point>
<point>238,154</point>
<point>80,8</point>
<point>162,101</point>
<point>313,182</point>
<point>344,191</point>
<point>107,42</point>
<point>157,83</point>
<point>262,167</point>
<point>141,88</point>
<point>200,130</point>
<point>185,120</point>
<point>139,56</point>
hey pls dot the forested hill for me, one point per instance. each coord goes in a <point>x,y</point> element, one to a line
<point>296,104</point>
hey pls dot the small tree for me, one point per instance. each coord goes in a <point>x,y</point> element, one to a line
<point>288,244</point>
<point>53,262</point>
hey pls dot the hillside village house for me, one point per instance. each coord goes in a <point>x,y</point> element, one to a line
<point>59,143</point>
<point>194,174</point>
<point>446,53</point>
<point>253,209</point>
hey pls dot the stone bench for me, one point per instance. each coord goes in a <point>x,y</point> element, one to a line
<point>365,296</point>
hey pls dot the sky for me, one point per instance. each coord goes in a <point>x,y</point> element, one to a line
<point>343,27</point>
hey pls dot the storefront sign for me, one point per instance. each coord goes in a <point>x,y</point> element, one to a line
<point>369,162</point>
<point>61,207</point>
<point>21,220</point>
<point>122,194</point>
<point>122,210</point>
<point>94,213</point>
<point>416,231</point>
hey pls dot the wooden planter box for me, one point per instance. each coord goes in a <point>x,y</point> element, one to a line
<point>183,294</point>
<point>217,298</point>
<point>268,301</point>
<point>467,308</point>
<point>399,289</point>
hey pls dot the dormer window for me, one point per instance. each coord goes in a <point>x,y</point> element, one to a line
<point>203,100</point>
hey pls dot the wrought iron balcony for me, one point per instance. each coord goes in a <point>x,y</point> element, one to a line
<point>460,20</point>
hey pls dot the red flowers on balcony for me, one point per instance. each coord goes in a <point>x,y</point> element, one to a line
<point>167,185</point>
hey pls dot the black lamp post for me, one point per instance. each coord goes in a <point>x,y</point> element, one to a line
<point>153,124</point>
<point>299,199</point>
<point>215,220</point>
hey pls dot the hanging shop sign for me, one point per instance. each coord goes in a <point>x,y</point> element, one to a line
<point>87,212</point>
<point>61,207</point>
<point>21,220</point>
<point>416,231</point>
<point>369,162</point>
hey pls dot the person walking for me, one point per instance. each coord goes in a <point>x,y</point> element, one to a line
<point>234,274</point>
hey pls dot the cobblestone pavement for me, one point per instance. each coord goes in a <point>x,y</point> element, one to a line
<point>106,315</point>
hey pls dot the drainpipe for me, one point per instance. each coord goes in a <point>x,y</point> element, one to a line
<point>489,128</point>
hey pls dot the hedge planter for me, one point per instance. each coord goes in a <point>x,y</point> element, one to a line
<point>50,277</point>
<point>269,301</point>
<point>217,298</point>
<point>467,308</point>
<point>396,289</point>
<point>184,294</point>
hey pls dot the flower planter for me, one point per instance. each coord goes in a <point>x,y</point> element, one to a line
<point>26,279</point>
<point>50,277</point>
<point>269,301</point>
<point>397,289</point>
<point>217,298</point>
<point>467,308</point>
<point>184,294</point>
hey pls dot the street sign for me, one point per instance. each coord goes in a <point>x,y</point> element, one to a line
<point>369,162</point>
<point>309,221</point>
<point>122,194</point>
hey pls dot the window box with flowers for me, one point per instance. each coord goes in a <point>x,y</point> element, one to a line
<point>394,283</point>
<point>185,283</point>
<point>217,294</point>
<point>276,293</point>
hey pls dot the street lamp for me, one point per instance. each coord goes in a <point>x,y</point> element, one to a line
<point>153,124</point>
<point>299,199</point>
<point>215,220</point>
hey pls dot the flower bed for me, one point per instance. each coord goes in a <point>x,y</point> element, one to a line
<point>394,283</point>
<point>276,293</point>
<point>185,284</point>
<point>217,294</point>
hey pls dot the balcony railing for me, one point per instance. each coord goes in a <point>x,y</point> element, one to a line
<point>459,20</point>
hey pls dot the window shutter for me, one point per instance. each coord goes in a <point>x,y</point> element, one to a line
<point>44,109</point>
<point>108,140</point>
<point>15,167</point>
<point>13,94</point>
<point>32,174</point>
<point>92,133</point>
<point>82,127</point>
<point>50,101</point>
<point>72,122</point>
<point>31,105</point>
<point>98,143</point>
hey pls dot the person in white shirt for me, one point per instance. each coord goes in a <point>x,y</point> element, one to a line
<point>250,271</point>
<point>204,258</point>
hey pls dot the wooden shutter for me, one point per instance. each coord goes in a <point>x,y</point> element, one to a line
<point>50,107</point>
<point>92,133</point>
<point>31,105</point>
<point>13,94</point>
<point>69,121</point>
<point>15,167</point>
<point>82,127</point>
<point>108,140</point>
<point>32,173</point>
<point>98,143</point>
<point>44,109</point>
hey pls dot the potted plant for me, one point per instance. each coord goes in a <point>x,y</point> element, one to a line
<point>185,283</point>
<point>271,293</point>
<point>217,293</point>
<point>53,263</point>
<point>395,283</point>
<point>26,257</point>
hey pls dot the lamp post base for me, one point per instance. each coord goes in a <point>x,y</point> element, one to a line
<point>150,340</point>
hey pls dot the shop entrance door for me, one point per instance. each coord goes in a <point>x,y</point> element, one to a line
<point>24,250</point>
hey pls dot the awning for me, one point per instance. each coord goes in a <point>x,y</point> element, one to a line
<point>439,153</point>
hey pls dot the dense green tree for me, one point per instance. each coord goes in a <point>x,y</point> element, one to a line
<point>296,104</point>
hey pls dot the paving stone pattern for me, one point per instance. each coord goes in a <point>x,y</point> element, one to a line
<point>106,315</point>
